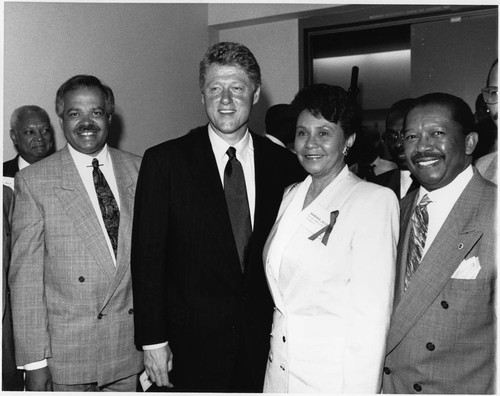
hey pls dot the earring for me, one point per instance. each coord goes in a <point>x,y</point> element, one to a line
<point>346,150</point>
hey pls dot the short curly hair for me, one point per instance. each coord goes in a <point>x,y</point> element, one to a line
<point>230,54</point>
<point>459,110</point>
<point>84,81</point>
<point>332,103</point>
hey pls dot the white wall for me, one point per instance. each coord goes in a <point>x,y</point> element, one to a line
<point>147,53</point>
<point>275,45</point>
<point>271,32</point>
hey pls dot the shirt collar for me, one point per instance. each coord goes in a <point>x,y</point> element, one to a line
<point>85,160</point>
<point>220,146</point>
<point>22,163</point>
<point>451,190</point>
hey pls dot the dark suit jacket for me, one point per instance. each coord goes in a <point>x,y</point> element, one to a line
<point>11,167</point>
<point>188,286</point>
<point>392,180</point>
<point>12,379</point>
<point>442,337</point>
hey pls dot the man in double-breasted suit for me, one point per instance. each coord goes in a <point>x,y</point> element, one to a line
<point>191,288</point>
<point>70,271</point>
<point>442,337</point>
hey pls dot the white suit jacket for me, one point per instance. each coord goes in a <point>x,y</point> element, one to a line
<point>333,301</point>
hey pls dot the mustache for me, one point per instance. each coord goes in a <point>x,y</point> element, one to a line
<point>88,127</point>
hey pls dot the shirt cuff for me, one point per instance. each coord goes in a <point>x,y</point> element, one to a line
<point>154,346</point>
<point>34,366</point>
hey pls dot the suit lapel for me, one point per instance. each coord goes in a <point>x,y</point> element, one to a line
<point>208,185</point>
<point>76,203</point>
<point>126,189</point>
<point>455,239</point>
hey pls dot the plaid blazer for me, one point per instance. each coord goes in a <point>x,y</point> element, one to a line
<point>70,303</point>
<point>442,337</point>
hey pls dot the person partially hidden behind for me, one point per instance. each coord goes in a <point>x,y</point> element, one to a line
<point>442,337</point>
<point>32,135</point>
<point>487,165</point>
<point>400,179</point>
<point>205,203</point>
<point>330,260</point>
<point>70,269</point>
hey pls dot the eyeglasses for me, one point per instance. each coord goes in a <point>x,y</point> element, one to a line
<point>490,95</point>
<point>391,134</point>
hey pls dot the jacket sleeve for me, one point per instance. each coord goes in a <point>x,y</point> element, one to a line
<point>26,278</point>
<point>372,286</point>
<point>149,252</point>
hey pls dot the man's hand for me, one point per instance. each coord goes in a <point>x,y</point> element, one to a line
<point>39,380</point>
<point>158,363</point>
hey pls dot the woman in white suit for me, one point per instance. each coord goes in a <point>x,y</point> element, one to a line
<point>330,260</point>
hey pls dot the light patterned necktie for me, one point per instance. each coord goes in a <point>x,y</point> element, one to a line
<point>107,203</point>
<point>237,204</point>
<point>418,235</point>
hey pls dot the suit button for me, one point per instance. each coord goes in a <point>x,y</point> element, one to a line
<point>81,279</point>
<point>430,346</point>
<point>387,370</point>
<point>284,339</point>
<point>417,387</point>
<point>444,304</point>
<point>130,311</point>
<point>99,316</point>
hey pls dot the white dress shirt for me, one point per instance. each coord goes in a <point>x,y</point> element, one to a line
<point>22,163</point>
<point>442,201</point>
<point>404,182</point>
<point>83,163</point>
<point>244,154</point>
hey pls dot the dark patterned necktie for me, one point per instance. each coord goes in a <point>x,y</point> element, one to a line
<point>237,204</point>
<point>418,235</point>
<point>107,203</point>
<point>414,184</point>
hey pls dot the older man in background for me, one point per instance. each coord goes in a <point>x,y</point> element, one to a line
<point>32,134</point>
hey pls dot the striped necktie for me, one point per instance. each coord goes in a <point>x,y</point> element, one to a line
<point>418,234</point>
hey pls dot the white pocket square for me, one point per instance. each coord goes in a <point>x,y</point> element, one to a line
<point>468,269</point>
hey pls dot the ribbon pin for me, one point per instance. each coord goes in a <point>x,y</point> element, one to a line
<point>326,229</point>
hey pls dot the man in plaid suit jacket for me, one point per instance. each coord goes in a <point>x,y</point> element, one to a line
<point>442,336</point>
<point>71,297</point>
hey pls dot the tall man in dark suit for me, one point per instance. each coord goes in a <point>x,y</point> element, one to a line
<point>203,307</point>
<point>70,269</point>
<point>398,180</point>
<point>32,134</point>
<point>442,336</point>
